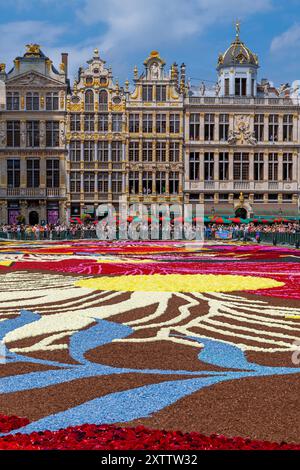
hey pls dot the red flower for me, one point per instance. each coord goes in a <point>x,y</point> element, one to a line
<point>109,437</point>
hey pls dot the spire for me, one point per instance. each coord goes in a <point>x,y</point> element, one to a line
<point>237,29</point>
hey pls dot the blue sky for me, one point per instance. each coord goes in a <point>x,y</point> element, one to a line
<point>125,31</point>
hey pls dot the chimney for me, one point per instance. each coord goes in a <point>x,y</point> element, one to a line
<point>64,59</point>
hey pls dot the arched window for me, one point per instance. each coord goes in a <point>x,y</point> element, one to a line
<point>103,100</point>
<point>89,100</point>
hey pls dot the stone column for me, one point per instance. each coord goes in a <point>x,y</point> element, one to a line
<point>280,128</point>
<point>23,172</point>
<point>230,166</point>
<point>266,127</point>
<point>266,166</point>
<point>280,166</point>
<point>216,128</point>
<point>42,172</point>
<point>216,166</point>
<point>251,166</point>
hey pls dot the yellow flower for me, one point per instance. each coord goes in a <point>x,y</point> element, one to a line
<point>179,283</point>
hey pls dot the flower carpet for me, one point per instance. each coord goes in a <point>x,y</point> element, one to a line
<point>149,345</point>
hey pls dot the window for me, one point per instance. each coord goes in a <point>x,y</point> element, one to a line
<point>103,152</point>
<point>147,152</point>
<point>89,100</point>
<point>147,123</point>
<point>33,173</point>
<point>240,87</point>
<point>89,182</point>
<point>194,126</point>
<point>147,93</point>
<point>288,128</point>
<point>223,166</point>
<point>223,127</point>
<point>259,127</point>
<point>134,123</point>
<point>13,173</point>
<point>117,122</point>
<point>103,101</point>
<point>160,182</point>
<point>133,182</point>
<point>89,123</point>
<point>103,183</point>
<point>13,101</point>
<point>32,101</point>
<point>52,101</point>
<point>134,151</point>
<point>209,126</point>
<point>161,123</point>
<point>103,122</point>
<point>147,182</point>
<point>33,133</point>
<point>194,166</point>
<point>227,89</point>
<point>174,151</point>
<point>52,173</point>
<point>116,151</point>
<point>75,182</point>
<point>287,170</point>
<point>160,151</point>
<point>273,128</point>
<point>116,182</point>
<point>208,166</point>
<point>75,123</point>
<point>174,123</point>
<point>273,167</point>
<point>13,134</point>
<point>161,93</point>
<point>174,182</point>
<point>89,151</point>
<point>75,151</point>
<point>258,167</point>
<point>52,134</point>
<point>241,166</point>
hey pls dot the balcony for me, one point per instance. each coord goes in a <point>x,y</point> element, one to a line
<point>242,101</point>
<point>32,193</point>
<point>241,185</point>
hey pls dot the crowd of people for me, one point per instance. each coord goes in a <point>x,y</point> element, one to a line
<point>250,231</point>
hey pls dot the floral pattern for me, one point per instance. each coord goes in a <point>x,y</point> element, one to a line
<point>98,334</point>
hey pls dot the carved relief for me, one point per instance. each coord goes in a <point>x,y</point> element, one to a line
<point>241,134</point>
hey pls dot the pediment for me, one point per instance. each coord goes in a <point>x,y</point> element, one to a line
<point>33,79</point>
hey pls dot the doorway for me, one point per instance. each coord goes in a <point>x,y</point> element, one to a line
<point>33,218</point>
<point>241,212</point>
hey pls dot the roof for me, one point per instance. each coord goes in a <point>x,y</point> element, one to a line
<point>237,54</point>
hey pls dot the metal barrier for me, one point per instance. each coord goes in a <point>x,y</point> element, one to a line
<point>272,238</point>
<point>53,235</point>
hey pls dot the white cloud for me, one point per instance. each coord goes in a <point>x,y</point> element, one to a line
<point>19,33</point>
<point>124,26</point>
<point>144,23</point>
<point>288,41</point>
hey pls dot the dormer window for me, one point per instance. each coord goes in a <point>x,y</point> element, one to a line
<point>89,80</point>
<point>161,93</point>
<point>147,93</point>
<point>103,100</point>
<point>89,100</point>
<point>32,101</point>
<point>240,87</point>
<point>13,101</point>
<point>52,101</point>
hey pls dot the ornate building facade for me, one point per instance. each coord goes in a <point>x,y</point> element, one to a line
<point>155,117</point>
<point>32,139</point>
<point>242,136</point>
<point>65,150</point>
<point>96,139</point>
